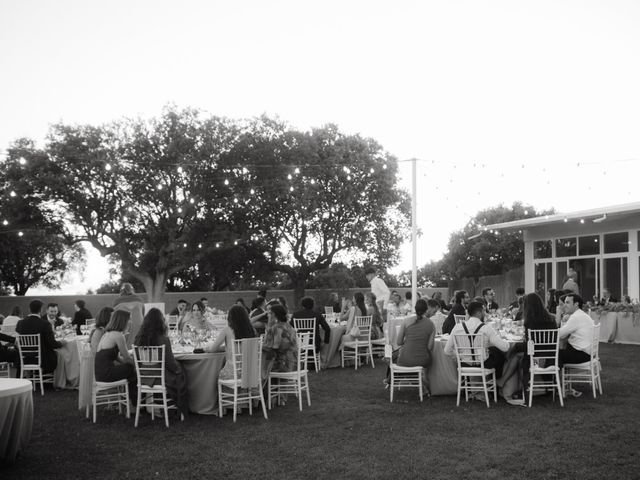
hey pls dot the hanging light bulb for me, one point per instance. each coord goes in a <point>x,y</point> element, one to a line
<point>235,200</point>
<point>372,170</point>
<point>217,245</point>
<point>179,169</point>
<point>184,245</point>
<point>291,189</point>
<point>289,177</point>
<point>244,170</point>
<point>13,194</point>
<point>199,245</point>
<point>384,166</point>
<point>236,242</point>
<point>297,170</point>
<point>22,161</point>
<point>20,234</point>
<point>179,209</point>
<point>313,181</point>
<point>191,200</point>
<point>159,186</point>
<point>226,181</point>
<point>252,191</point>
<point>5,223</point>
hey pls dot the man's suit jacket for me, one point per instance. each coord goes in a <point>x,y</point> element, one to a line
<point>450,321</point>
<point>34,324</point>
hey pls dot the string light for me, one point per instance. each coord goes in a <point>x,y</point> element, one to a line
<point>289,177</point>
<point>235,243</point>
<point>252,191</point>
<point>179,209</point>
<point>291,189</point>
<point>199,245</point>
<point>217,245</point>
<point>184,245</point>
<point>179,169</point>
<point>226,181</point>
<point>5,223</point>
<point>159,186</point>
<point>107,167</point>
<point>191,200</point>
<point>22,161</point>
<point>297,170</point>
<point>20,234</point>
<point>235,200</point>
<point>13,194</point>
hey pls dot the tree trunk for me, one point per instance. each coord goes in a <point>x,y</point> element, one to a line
<point>153,286</point>
<point>298,289</point>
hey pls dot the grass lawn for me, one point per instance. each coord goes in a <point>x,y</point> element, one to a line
<point>352,431</point>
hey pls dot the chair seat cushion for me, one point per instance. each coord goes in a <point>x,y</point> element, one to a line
<point>398,369</point>
<point>117,383</point>
<point>354,344</point>
<point>476,370</point>
<point>541,370</point>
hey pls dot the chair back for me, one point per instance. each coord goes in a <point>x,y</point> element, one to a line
<point>438,319</point>
<point>595,343</point>
<point>470,349</point>
<point>543,345</point>
<point>328,311</point>
<point>246,355</point>
<point>90,322</point>
<point>304,344</point>
<point>29,349</point>
<point>364,326</point>
<point>149,365</point>
<point>459,318</point>
<point>171,321</point>
<point>304,324</point>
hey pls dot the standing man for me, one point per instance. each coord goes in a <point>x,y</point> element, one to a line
<point>378,288</point>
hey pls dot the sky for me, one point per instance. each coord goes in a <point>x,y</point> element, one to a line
<point>500,101</point>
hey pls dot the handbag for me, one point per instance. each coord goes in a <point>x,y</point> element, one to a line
<point>355,331</point>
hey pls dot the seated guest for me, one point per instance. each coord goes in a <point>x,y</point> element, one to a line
<point>488,296</point>
<point>53,315</point>
<point>308,312</point>
<point>437,296</point>
<point>258,315</point>
<point>396,307</point>
<point>10,322</point>
<point>606,298</point>
<point>551,301</point>
<point>34,324</point>
<point>417,334</point>
<point>112,361</point>
<point>181,311</point>
<point>493,355</point>
<point>81,316</point>
<point>283,301</point>
<point>458,308</point>
<point>280,342</point>
<point>334,302</point>
<point>240,302</point>
<point>205,302</point>
<point>579,331</point>
<point>102,320</point>
<point>238,327</point>
<point>376,317</point>
<point>198,319</point>
<point>516,302</point>
<point>356,308</point>
<point>8,353</point>
<point>154,333</point>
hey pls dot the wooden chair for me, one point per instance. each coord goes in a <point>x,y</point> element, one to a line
<point>246,384</point>
<point>361,346</point>
<point>587,372</point>
<point>31,360</point>
<point>542,348</point>
<point>282,383</point>
<point>150,371</point>
<point>308,325</point>
<point>472,374</point>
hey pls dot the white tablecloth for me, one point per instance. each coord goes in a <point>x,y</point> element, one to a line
<point>329,354</point>
<point>202,372</point>
<point>617,327</point>
<point>16,417</point>
<point>67,373</point>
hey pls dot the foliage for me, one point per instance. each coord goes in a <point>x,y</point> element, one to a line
<point>314,197</point>
<point>137,189</point>
<point>491,252</point>
<point>430,275</point>
<point>34,247</point>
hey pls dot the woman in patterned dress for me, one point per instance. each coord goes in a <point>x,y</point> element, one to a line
<point>280,342</point>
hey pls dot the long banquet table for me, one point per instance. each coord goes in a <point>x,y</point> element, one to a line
<point>16,417</point>
<point>617,327</point>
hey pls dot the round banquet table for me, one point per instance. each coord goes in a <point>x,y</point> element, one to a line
<point>201,371</point>
<point>16,417</point>
<point>67,373</point>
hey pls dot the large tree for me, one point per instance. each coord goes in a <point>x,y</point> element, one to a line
<point>475,251</point>
<point>314,197</point>
<point>34,247</point>
<point>137,190</point>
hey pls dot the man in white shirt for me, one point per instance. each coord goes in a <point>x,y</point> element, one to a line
<point>493,355</point>
<point>578,329</point>
<point>378,288</point>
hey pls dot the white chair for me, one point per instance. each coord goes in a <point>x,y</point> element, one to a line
<point>90,322</point>
<point>219,321</point>
<point>171,321</point>
<point>31,360</point>
<point>246,384</point>
<point>587,372</point>
<point>5,371</point>
<point>472,374</point>
<point>459,318</point>
<point>150,371</point>
<point>328,311</point>
<point>283,383</point>
<point>438,319</point>
<point>542,349</point>
<point>361,346</point>
<point>308,325</point>
<point>407,377</point>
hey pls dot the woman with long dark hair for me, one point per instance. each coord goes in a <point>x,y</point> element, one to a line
<point>238,327</point>
<point>113,362</point>
<point>551,301</point>
<point>376,317</point>
<point>102,321</point>
<point>153,332</point>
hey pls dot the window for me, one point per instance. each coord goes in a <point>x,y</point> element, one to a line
<point>542,249</point>
<point>614,275</point>
<point>589,245</point>
<point>616,242</point>
<point>566,247</point>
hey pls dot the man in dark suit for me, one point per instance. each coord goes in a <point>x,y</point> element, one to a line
<point>308,312</point>
<point>33,324</point>
<point>461,301</point>
<point>53,315</point>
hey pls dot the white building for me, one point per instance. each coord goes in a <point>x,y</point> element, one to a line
<point>602,245</point>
